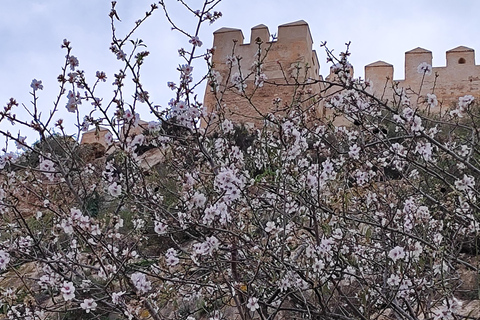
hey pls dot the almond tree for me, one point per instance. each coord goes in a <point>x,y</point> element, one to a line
<point>297,218</point>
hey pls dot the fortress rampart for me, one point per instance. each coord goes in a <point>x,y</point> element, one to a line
<point>290,56</point>
<point>292,45</point>
<point>293,48</point>
<point>459,77</point>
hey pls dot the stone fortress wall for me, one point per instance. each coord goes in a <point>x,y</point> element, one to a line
<point>458,78</point>
<point>291,51</point>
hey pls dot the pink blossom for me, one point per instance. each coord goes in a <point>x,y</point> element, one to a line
<point>36,85</point>
<point>270,227</point>
<point>140,282</point>
<point>408,113</point>
<point>318,266</point>
<point>238,81</point>
<point>425,149</point>
<point>231,60</point>
<point>116,296</point>
<point>171,257</point>
<point>172,85</point>
<point>396,253</point>
<point>186,69</point>
<point>73,101</point>
<point>361,177</point>
<point>48,168</point>
<point>394,280</point>
<point>424,68</point>
<point>417,124</point>
<point>465,101</point>
<point>128,115</point>
<point>354,152</point>
<point>227,126</point>
<point>88,305</point>
<point>121,55</point>
<point>153,126</point>
<point>160,228</point>
<point>252,304</point>
<point>212,244</point>
<point>4,259</point>
<point>75,214</point>
<point>73,62</point>
<point>97,102</point>
<point>67,225</point>
<point>260,79</point>
<point>115,189</point>
<point>464,151</point>
<point>101,76</point>
<point>67,290</point>
<point>142,96</point>
<point>108,138</point>
<point>466,183</point>
<point>196,41</point>
<point>432,101</point>
<point>198,200</point>
<point>139,139</point>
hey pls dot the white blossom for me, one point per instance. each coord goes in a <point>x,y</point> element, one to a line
<point>116,296</point>
<point>88,305</point>
<point>115,189</point>
<point>424,68</point>
<point>68,290</point>
<point>432,101</point>
<point>252,304</point>
<point>140,282</point>
<point>36,85</point>
<point>160,228</point>
<point>466,183</point>
<point>171,258</point>
<point>396,253</point>
<point>4,259</point>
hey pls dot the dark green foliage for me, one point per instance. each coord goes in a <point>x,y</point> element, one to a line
<point>93,204</point>
<point>57,145</point>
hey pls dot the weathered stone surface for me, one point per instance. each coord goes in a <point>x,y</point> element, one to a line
<point>290,58</point>
<point>88,152</point>
<point>95,136</point>
<point>151,158</point>
<point>292,52</point>
<point>460,76</point>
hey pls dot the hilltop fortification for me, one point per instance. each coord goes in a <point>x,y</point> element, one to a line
<point>286,60</point>
<point>291,56</point>
<point>459,77</point>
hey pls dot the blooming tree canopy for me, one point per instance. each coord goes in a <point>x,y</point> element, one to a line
<point>296,218</point>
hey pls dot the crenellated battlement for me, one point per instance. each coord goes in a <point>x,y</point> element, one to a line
<point>290,57</point>
<point>293,44</point>
<point>459,77</point>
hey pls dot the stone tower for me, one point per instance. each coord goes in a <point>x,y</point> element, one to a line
<point>287,60</point>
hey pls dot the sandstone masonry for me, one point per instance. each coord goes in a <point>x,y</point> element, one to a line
<point>290,59</point>
<point>458,78</point>
<point>293,49</point>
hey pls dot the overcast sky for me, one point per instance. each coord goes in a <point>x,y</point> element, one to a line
<point>31,32</point>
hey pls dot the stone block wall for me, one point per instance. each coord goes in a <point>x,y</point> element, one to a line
<point>460,76</point>
<point>290,59</point>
